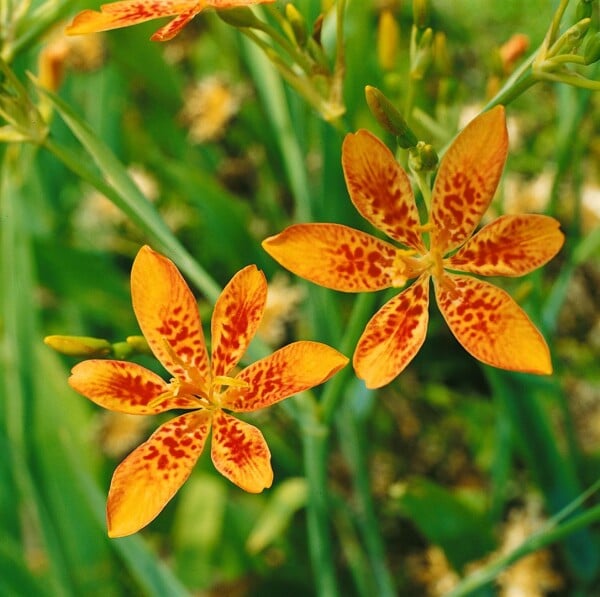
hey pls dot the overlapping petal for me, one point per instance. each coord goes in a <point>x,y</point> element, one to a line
<point>491,326</point>
<point>467,179</point>
<point>126,387</point>
<point>339,257</point>
<point>511,245</point>
<point>240,453</point>
<point>291,369</point>
<point>151,475</point>
<point>236,318</point>
<point>172,28</point>
<point>168,317</point>
<point>380,188</point>
<point>393,336</point>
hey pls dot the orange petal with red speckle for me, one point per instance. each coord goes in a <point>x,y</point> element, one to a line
<point>236,318</point>
<point>126,387</point>
<point>338,257</point>
<point>467,179</point>
<point>168,316</point>
<point>380,188</point>
<point>126,13</point>
<point>491,326</point>
<point>151,475</point>
<point>172,28</point>
<point>393,336</point>
<point>240,453</point>
<point>289,370</point>
<point>510,246</point>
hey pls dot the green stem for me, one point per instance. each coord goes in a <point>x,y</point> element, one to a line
<point>315,438</point>
<point>361,311</point>
<point>351,430</point>
<point>548,535</point>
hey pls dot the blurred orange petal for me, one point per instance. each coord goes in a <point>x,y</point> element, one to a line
<point>125,387</point>
<point>491,326</point>
<point>168,315</point>
<point>150,476</point>
<point>291,369</point>
<point>172,28</point>
<point>393,336</point>
<point>126,13</point>
<point>240,453</point>
<point>236,318</point>
<point>380,188</point>
<point>510,246</point>
<point>335,256</point>
<point>467,179</point>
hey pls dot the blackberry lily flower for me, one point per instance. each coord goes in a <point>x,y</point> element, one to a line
<point>484,318</point>
<point>209,388</point>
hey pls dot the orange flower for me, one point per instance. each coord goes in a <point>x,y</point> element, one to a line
<point>132,12</point>
<point>484,318</point>
<point>168,316</point>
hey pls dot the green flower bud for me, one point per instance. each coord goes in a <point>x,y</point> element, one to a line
<point>423,157</point>
<point>591,51</point>
<point>389,118</point>
<point>297,23</point>
<point>420,13</point>
<point>240,17</point>
<point>79,346</point>
<point>138,344</point>
<point>583,10</point>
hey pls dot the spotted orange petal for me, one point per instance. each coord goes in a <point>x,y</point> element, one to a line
<point>380,188</point>
<point>236,318</point>
<point>491,326</point>
<point>149,477</point>
<point>126,13</point>
<point>393,336</point>
<point>168,316</point>
<point>467,179</point>
<point>126,387</point>
<point>339,257</point>
<point>289,370</point>
<point>510,246</point>
<point>172,28</point>
<point>240,453</point>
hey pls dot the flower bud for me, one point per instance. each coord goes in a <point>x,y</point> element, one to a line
<point>389,118</point>
<point>79,346</point>
<point>583,10</point>
<point>240,17</point>
<point>420,13</point>
<point>591,51</point>
<point>297,23</point>
<point>423,157</point>
<point>388,36</point>
<point>138,344</point>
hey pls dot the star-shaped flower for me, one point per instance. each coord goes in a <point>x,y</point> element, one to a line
<point>168,316</point>
<point>132,12</point>
<point>484,318</point>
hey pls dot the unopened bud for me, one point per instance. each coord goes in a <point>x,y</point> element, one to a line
<point>423,157</point>
<point>388,37</point>
<point>240,17</point>
<point>297,23</point>
<point>420,13</point>
<point>389,118</point>
<point>139,344</point>
<point>441,56</point>
<point>423,55</point>
<point>583,10</point>
<point>79,346</point>
<point>591,52</point>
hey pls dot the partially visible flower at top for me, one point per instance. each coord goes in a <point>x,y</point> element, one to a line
<point>131,12</point>
<point>484,318</point>
<point>168,316</point>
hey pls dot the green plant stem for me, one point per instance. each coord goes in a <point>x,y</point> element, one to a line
<point>361,311</point>
<point>351,430</point>
<point>315,438</point>
<point>548,535</point>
